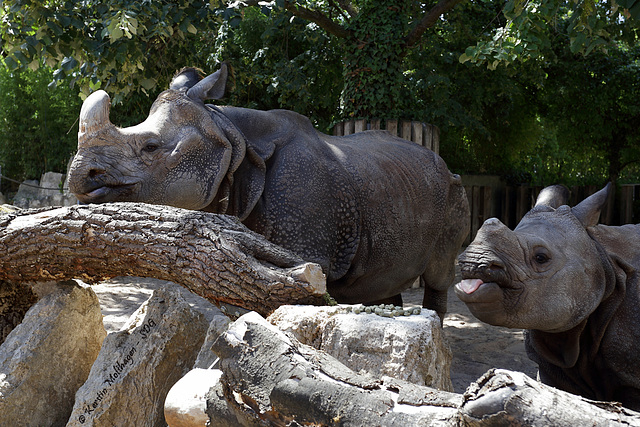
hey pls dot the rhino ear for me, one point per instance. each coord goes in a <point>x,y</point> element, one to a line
<point>211,87</point>
<point>588,211</point>
<point>186,78</point>
<point>553,196</point>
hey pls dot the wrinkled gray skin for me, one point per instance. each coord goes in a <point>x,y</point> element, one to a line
<point>574,285</point>
<point>375,211</point>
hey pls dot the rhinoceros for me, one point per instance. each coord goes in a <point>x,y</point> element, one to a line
<point>573,284</point>
<point>373,210</point>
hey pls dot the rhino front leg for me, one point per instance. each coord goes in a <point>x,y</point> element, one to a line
<point>435,299</point>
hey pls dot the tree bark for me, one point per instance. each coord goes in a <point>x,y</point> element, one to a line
<point>214,256</point>
<point>269,378</point>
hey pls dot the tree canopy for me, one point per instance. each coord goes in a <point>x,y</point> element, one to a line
<point>484,71</point>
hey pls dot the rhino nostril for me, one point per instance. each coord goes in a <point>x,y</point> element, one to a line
<point>496,265</point>
<point>95,172</point>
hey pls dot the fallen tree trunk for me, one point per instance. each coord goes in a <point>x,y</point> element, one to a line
<point>269,378</point>
<point>214,256</point>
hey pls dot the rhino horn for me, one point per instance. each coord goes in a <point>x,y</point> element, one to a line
<point>553,196</point>
<point>94,115</point>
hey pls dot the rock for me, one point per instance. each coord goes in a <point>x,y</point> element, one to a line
<point>410,348</point>
<point>49,191</point>
<point>15,300</point>
<point>206,358</point>
<point>269,378</point>
<point>28,190</point>
<point>48,356</point>
<point>50,184</point>
<point>139,364</point>
<point>3,199</point>
<point>185,404</point>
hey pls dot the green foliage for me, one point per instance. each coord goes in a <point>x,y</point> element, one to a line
<point>331,60</point>
<point>532,27</point>
<point>280,62</point>
<point>595,99</point>
<point>122,45</point>
<point>38,129</point>
<point>373,64</point>
<point>486,117</point>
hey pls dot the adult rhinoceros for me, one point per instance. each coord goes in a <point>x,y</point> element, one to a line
<point>573,284</point>
<point>375,211</point>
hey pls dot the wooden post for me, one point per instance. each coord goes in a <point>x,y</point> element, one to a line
<point>349,127</point>
<point>406,130</point>
<point>417,133</point>
<point>392,127</point>
<point>360,125</point>
<point>435,131</point>
<point>338,129</point>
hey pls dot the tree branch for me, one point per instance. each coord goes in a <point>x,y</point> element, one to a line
<point>429,21</point>
<point>213,256</point>
<point>318,18</point>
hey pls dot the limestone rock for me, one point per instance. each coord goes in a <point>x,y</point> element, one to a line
<point>138,365</point>
<point>185,404</point>
<point>206,357</point>
<point>50,184</point>
<point>47,357</point>
<point>410,348</point>
<point>27,190</point>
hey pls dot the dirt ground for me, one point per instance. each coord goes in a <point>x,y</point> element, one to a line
<point>476,346</point>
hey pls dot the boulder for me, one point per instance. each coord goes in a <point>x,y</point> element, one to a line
<point>185,404</point>
<point>411,348</point>
<point>139,364</point>
<point>48,356</point>
<point>50,184</point>
<point>28,190</point>
<point>206,357</point>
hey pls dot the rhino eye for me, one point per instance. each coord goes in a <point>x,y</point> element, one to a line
<point>541,258</point>
<point>150,147</point>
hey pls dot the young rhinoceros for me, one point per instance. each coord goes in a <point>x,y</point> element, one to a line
<point>375,211</point>
<point>574,285</point>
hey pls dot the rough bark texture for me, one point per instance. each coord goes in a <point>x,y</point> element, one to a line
<point>502,397</point>
<point>214,256</point>
<point>269,378</point>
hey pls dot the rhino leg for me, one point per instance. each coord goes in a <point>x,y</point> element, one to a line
<point>435,299</point>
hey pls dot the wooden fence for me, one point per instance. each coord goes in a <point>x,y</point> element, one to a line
<point>421,133</point>
<point>510,203</point>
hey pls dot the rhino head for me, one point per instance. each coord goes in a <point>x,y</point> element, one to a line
<point>183,154</point>
<point>547,274</point>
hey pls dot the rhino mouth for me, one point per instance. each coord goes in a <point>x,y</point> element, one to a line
<point>484,286</point>
<point>488,293</point>
<point>106,193</point>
